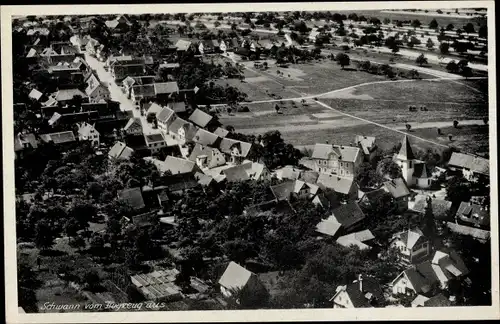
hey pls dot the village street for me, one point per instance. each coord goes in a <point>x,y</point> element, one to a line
<point>117,94</point>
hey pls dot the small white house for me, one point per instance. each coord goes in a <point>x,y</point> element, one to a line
<point>87,132</point>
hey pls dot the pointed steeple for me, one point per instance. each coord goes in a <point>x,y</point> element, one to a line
<point>405,152</point>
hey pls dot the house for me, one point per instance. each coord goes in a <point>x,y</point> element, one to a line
<point>182,131</point>
<point>35,94</point>
<point>288,172</point>
<point>169,68</point>
<point>178,166</point>
<point>344,219</point>
<point>328,200</point>
<point>65,96</point>
<point>478,234</point>
<point>301,189</point>
<point>59,138</point>
<point>361,239</point>
<point>229,45</point>
<point>207,157</point>
<point>415,172</point>
<point>23,142</point>
<point>436,301</point>
<point>133,127</point>
<point>132,197</point>
<point>87,132</point>
<point>152,109</point>
<point>155,142</point>
<point>91,46</point>
<point>209,46</point>
<point>177,106</point>
<point>152,91</point>
<point>361,293</point>
<point>121,71</point>
<point>412,246</point>
<point>120,151</point>
<point>342,185</point>
<point>430,276</point>
<point>221,132</point>
<point>244,285</point>
<point>247,170</point>
<point>183,45</point>
<point>440,208</point>
<point>235,151</point>
<point>118,25</point>
<point>336,159</point>
<point>473,215</point>
<point>204,179</point>
<point>367,145</point>
<point>312,35</point>
<point>370,197</point>
<point>399,191</point>
<point>206,138</point>
<point>200,118</point>
<point>96,90</point>
<point>164,117</point>
<point>471,166</point>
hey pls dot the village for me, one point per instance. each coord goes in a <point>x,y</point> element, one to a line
<point>238,161</point>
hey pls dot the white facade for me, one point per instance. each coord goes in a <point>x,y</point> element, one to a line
<point>402,286</point>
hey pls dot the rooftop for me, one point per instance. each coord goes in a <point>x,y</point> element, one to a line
<point>327,152</point>
<point>474,163</point>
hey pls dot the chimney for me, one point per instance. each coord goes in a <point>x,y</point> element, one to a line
<point>360,280</point>
<point>326,141</point>
<point>364,137</point>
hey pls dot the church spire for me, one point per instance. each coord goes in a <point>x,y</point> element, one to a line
<point>405,152</point>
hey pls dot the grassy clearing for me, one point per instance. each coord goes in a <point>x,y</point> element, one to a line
<point>422,91</point>
<point>396,112</point>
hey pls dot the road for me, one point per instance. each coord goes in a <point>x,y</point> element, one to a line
<point>117,94</point>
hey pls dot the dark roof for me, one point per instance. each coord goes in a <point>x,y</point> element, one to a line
<point>421,171</point>
<point>309,176</point>
<point>359,298</point>
<point>283,190</point>
<point>204,137</point>
<point>132,197</point>
<point>221,132</point>
<point>397,188</point>
<point>227,145</point>
<point>348,214</point>
<point>147,90</point>
<point>166,87</point>
<point>437,301</point>
<point>164,114</point>
<point>476,233</point>
<point>123,71</point>
<point>406,152</point>
<point>59,138</point>
<point>473,214</point>
<point>200,118</point>
<point>373,195</point>
<point>440,207</point>
<point>178,106</point>
<point>422,277</point>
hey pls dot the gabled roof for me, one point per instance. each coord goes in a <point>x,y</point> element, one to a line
<point>367,143</point>
<point>85,129</point>
<point>189,128</point>
<point>31,53</point>
<point>283,190</point>
<point>474,163</point>
<point>374,195</point>
<point>227,145</point>
<point>348,214</point>
<point>145,91</point>
<point>178,106</point>
<point>178,165</point>
<point>405,152</point>
<point>440,208</point>
<point>221,132</point>
<point>165,114</point>
<point>204,137</point>
<point>288,172</point>
<point>476,233</point>
<point>133,123</point>
<point>111,23</point>
<point>215,157</point>
<point>245,171</point>
<point>120,151</point>
<point>35,94</point>
<point>410,238</point>
<point>421,171</point>
<point>358,239</point>
<point>473,214</point>
<point>59,138</point>
<point>169,66</point>
<point>362,293</point>
<point>182,45</point>
<point>132,197</point>
<point>339,184</point>
<point>153,108</point>
<point>329,226</point>
<point>437,301</point>
<point>166,87</point>
<point>422,277</point>
<point>203,179</point>
<point>68,94</point>
<point>397,188</point>
<point>235,277</point>
<point>20,139</point>
<point>200,118</point>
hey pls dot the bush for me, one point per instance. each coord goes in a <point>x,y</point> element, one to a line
<point>243,109</point>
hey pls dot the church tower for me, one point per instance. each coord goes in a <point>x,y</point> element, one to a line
<point>405,160</point>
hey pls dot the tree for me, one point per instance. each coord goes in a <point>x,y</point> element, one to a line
<point>408,127</point>
<point>444,48</point>
<point>44,235</point>
<point>343,60</point>
<point>421,60</point>
<point>367,176</point>
<point>452,67</point>
<point>450,27</point>
<point>483,31</point>
<point>458,189</point>
<point>433,24</point>
<point>430,44</point>
<point>277,108</point>
<point>485,120</point>
<point>387,21</point>
<point>416,23</point>
<point>389,167</point>
<point>78,242</point>
<point>469,28</point>
<point>455,123</point>
<point>92,280</point>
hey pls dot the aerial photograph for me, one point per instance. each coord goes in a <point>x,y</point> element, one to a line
<point>252,160</point>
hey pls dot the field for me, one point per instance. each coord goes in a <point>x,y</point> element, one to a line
<point>382,103</point>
